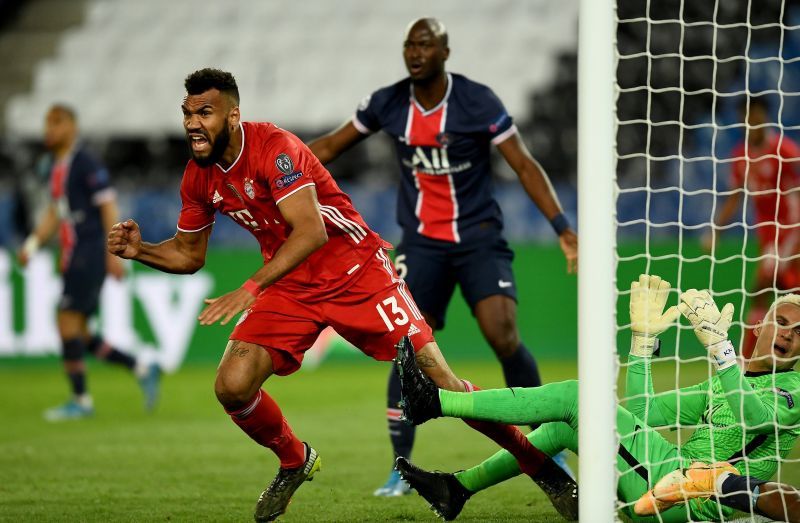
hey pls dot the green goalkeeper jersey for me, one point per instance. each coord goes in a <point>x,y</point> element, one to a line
<point>748,419</point>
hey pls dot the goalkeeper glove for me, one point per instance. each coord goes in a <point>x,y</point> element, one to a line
<point>648,297</point>
<point>710,325</point>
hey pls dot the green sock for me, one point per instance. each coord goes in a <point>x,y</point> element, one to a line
<point>498,468</point>
<point>550,438</point>
<point>555,405</point>
<point>516,406</point>
<point>456,404</point>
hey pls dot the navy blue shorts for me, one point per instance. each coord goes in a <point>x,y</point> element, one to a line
<point>83,281</point>
<point>432,268</point>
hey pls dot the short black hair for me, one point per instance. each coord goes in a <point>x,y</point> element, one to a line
<point>204,79</point>
<point>749,102</point>
<point>66,109</point>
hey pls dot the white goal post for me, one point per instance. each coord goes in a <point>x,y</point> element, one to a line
<point>597,372</point>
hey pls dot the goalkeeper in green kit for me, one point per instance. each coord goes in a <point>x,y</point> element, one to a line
<point>746,421</point>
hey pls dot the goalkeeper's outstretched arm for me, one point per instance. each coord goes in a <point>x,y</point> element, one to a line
<point>648,319</point>
<point>711,326</point>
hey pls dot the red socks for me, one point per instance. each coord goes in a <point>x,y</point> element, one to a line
<point>263,421</point>
<point>509,437</point>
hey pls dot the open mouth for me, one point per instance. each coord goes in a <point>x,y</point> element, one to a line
<point>198,142</point>
<point>780,350</point>
<point>414,67</point>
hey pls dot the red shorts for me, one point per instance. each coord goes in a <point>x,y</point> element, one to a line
<point>786,275</point>
<point>372,313</point>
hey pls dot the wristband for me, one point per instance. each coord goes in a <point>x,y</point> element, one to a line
<point>559,223</point>
<point>644,346</point>
<point>31,245</point>
<point>723,353</point>
<point>252,287</point>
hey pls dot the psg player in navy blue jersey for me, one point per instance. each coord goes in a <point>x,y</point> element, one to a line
<point>443,125</point>
<point>82,209</point>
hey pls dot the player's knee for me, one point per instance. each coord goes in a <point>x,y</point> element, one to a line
<point>73,349</point>
<point>503,339</point>
<point>232,393</point>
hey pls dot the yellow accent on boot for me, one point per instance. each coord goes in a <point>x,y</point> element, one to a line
<point>679,486</point>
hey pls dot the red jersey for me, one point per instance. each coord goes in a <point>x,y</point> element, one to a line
<point>771,171</point>
<point>272,165</point>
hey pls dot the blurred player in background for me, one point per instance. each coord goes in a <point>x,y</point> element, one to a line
<point>766,168</point>
<point>322,267</point>
<point>444,125</point>
<point>748,419</point>
<point>82,210</point>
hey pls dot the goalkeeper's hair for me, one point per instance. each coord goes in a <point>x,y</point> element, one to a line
<point>204,79</point>
<point>792,299</point>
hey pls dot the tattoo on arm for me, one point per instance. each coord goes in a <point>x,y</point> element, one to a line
<point>235,349</point>
<point>425,362</point>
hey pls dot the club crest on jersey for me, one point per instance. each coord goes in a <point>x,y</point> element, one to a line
<point>248,188</point>
<point>284,164</point>
<point>443,139</point>
<point>286,181</point>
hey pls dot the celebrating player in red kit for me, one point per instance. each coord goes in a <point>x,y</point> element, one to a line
<point>766,172</point>
<point>322,267</point>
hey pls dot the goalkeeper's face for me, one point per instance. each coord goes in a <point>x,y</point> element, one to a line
<point>778,344</point>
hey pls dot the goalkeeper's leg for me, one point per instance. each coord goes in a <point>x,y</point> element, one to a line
<point>430,361</point>
<point>550,438</point>
<point>516,406</point>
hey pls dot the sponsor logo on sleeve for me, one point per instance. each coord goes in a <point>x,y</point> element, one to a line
<point>286,181</point>
<point>497,123</point>
<point>284,164</point>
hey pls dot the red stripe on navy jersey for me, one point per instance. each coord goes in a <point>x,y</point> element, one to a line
<point>58,190</point>
<point>436,208</point>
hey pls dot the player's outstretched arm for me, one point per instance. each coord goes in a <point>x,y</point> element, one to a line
<point>648,298</point>
<point>184,253</point>
<point>731,204</point>
<point>711,328</point>
<point>327,148</point>
<point>109,214</point>
<point>41,234</point>
<point>541,192</point>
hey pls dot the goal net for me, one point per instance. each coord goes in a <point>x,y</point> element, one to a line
<point>705,110</point>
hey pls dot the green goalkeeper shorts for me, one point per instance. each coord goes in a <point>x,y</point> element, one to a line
<point>644,457</point>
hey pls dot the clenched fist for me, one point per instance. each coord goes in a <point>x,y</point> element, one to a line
<point>125,239</point>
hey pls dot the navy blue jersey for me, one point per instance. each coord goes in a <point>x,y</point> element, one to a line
<point>446,188</point>
<point>79,184</point>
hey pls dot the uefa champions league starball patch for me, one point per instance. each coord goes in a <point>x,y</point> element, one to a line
<point>284,163</point>
<point>248,188</point>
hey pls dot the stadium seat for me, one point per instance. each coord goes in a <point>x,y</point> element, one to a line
<point>302,64</point>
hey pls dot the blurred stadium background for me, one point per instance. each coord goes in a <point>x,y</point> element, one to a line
<point>305,66</point>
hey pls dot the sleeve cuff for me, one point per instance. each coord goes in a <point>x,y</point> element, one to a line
<point>505,135</point>
<point>360,127</point>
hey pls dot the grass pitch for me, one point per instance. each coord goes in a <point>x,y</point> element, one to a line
<point>188,462</point>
